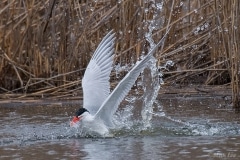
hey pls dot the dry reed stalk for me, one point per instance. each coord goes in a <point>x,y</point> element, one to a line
<point>235,56</point>
<point>46,45</point>
<point>227,45</point>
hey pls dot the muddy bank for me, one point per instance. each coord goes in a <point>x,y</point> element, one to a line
<point>220,92</point>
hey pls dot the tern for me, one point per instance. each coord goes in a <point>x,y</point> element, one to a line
<point>99,105</point>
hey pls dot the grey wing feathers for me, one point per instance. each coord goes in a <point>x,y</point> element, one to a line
<point>110,105</point>
<point>95,83</point>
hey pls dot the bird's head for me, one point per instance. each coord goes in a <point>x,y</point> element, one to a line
<point>78,116</point>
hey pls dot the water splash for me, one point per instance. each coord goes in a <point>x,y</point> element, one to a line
<point>125,68</point>
<point>151,78</point>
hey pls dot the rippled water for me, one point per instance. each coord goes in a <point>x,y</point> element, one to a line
<point>181,128</point>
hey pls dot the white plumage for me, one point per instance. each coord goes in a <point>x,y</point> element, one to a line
<point>97,98</point>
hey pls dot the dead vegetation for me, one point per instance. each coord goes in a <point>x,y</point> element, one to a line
<point>46,45</point>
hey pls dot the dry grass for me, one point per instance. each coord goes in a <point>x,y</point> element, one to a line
<point>45,45</point>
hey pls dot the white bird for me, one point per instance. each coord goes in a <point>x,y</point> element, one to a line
<point>99,105</point>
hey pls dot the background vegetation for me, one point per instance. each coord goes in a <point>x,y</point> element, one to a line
<point>45,45</point>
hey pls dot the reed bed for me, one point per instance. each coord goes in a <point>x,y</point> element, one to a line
<point>45,46</point>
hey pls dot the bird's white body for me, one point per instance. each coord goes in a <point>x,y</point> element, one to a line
<point>97,99</point>
<point>92,125</point>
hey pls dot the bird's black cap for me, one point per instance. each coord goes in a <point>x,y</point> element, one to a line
<point>80,111</point>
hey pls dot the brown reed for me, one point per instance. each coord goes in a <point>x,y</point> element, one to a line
<point>46,45</point>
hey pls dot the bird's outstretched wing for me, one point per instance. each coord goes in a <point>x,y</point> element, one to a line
<point>95,83</point>
<point>110,105</point>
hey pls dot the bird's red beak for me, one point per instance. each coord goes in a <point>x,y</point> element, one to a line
<point>74,121</point>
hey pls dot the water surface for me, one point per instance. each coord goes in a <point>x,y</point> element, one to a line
<point>181,128</point>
